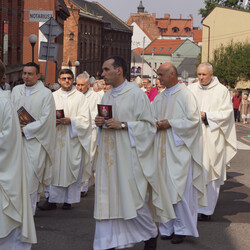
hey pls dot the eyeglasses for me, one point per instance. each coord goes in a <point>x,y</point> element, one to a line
<point>65,78</point>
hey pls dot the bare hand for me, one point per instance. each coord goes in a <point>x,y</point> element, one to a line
<point>65,121</point>
<point>163,124</point>
<point>99,121</point>
<point>113,124</point>
<point>203,115</point>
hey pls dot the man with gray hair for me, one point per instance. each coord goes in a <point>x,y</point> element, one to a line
<point>219,136</point>
<point>83,85</point>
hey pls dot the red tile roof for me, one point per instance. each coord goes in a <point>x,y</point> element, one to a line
<point>169,24</point>
<point>138,51</point>
<point>197,36</point>
<point>163,46</point>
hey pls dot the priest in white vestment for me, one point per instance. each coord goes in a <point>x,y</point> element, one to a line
<point>39,135</point>
<point>83,85</point>
<point>129,186</point>
<point>219,135</point>
<point>17,229</point>
<point>179,147</point>
<point>73,140</point>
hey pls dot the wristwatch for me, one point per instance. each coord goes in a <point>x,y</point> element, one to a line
<point>123,126</point>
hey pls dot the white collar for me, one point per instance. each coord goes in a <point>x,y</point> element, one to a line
<point>206,87</point>
<point>169,91</point>
<point>117,90</point>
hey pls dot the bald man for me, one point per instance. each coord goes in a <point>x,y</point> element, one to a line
<point>219,136</point>
<point>179,142</point>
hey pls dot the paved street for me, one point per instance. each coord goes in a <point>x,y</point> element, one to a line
<point>229,229</point>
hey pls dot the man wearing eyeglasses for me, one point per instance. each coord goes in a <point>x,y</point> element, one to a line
<point>39,135</point>
<point>73,138</point>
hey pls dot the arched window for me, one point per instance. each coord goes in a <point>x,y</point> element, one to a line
<point>175,29</point>
<point>187,29</point>
<point>138,70</point>
<point>133,70</point>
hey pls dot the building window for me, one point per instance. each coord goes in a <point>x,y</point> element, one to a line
<point>175,29</point>
<point>169,49</point>
<point>138,70</point>
<point>187,29</point>
<point>163,30</point>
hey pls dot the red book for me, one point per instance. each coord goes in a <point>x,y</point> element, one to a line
<point>24,116</point>
<point>105,111</point>
<point>59,114</point>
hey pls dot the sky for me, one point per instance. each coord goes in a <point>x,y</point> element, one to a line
<point>123,8</point>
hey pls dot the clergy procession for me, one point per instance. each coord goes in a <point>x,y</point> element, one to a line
<point>156,162</point>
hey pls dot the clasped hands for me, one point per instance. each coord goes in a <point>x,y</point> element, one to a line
<point>110,123</point>
<point>63,121</point>
<point>163,124</point>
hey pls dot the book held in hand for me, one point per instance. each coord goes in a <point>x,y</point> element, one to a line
<point>59,114</point>
<point>105,111</point>
<point>24,116</point>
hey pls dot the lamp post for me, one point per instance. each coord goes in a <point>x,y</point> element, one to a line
<point>32,40</point>
<point>77,63</point>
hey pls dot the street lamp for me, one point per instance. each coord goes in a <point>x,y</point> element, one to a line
<point>32,40</point>
<point>77,63</point>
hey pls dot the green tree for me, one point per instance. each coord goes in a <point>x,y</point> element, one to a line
<point>232,63</point>
<point>210,4</point>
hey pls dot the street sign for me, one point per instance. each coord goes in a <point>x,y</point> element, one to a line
<point>40,15</point>
<point>46,48</point>
<point>51,29</point>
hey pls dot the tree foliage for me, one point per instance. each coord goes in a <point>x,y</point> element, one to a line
<point>210,4</point>
<point>232,63</point>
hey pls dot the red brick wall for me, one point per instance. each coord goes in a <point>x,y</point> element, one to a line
<point>12,12</point>
<point>33,28</point>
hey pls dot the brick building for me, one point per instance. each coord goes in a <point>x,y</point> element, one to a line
<point>147,26</point>
<point>35,14</point>
<point>11,33</point>
<point>92,33</point>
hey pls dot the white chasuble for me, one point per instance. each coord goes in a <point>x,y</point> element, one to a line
<point>15,207</point>
<point>125,172</point>
<point>72,141</point>
<point>219,137</point>
<point>93,99</point>
<point>39,150</point>
<point>181,143</point>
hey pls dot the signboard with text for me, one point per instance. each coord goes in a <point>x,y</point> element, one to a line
<point>40,15</point>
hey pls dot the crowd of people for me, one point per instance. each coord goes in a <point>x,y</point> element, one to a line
<point>157,155</point>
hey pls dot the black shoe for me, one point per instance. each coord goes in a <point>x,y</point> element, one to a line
<point>151,244</point>
<point>84,194</point>
<point>177,239</point>
<point>165,237</point>
<point>66,206</point>
<point>204,217</point>
<point>47,206</point>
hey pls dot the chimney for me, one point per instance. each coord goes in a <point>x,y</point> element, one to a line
<point>154,16</point>
<point>167,16</point>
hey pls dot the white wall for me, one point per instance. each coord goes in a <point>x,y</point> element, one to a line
<point>137,38</point>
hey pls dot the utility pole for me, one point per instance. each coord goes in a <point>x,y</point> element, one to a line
<point>142,57</point>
